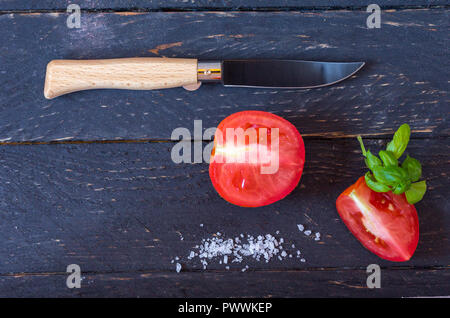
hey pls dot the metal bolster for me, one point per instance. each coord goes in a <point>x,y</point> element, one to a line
<point>209,71</point>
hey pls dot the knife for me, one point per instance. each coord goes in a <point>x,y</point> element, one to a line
<point>141,73</point>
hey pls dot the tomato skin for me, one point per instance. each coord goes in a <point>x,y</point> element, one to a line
<point>242,183</point>
<point>384,223</point>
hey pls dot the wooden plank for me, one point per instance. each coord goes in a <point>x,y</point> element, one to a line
<point>331,283</point>
<point>405,79</point>
<point>125,207</point>
<point>207,4</point>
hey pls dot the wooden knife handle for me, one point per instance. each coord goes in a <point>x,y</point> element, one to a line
<point>66,76</point>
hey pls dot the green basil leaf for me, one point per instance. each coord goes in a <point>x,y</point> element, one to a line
<point>388,158</point>
<point>374,185</point>
<point>372,160</point>
<point>390,175</point>
<point>413,167</point>
<point>400,140</point>
<point>386,174</point>
<point>361,143</point>
<point>400,188</point>
<point>416,192</point>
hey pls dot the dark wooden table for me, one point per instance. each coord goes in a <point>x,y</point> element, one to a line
<point>87,178</point>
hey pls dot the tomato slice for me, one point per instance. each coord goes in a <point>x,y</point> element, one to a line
<point>236,170</point>
<point>385,223</point>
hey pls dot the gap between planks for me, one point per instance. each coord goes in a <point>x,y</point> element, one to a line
<point>308,269</point>
<point>133,11</point>
<point>324,136</point>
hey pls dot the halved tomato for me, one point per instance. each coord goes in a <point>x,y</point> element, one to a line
<point>384,222</point>
<point>264,167</point>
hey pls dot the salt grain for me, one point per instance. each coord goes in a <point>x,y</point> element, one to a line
<point>178,268</point>
<point>308,232</point>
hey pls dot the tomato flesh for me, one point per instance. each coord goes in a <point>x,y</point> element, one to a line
<point>241,182</point>
<point>385,223</point>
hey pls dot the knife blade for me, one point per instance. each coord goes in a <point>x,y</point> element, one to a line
<point>286,73</point>
<point>66,76</point>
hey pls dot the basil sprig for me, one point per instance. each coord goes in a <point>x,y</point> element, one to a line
<point>387,175</point>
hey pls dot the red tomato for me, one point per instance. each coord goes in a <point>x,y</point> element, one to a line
<point>385,223</point>
<point>243,182</point>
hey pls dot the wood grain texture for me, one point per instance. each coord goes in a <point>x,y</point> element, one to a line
<point>145,73</point>
<point>405,78</point>
<point>124,210</point>
<point>125,206</point>
<point>206,4</point>
<point>330,283</point>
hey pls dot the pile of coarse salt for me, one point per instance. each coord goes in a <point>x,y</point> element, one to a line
<point>235,250</point>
